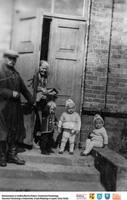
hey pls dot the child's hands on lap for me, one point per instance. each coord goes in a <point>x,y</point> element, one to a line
<point>77,132</point>
<point>73,132</point>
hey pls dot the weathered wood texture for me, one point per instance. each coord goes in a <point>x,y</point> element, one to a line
<point>6,12</point>
<point>65,58</point>
<point>112,167</point>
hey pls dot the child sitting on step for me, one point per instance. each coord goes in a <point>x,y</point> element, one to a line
<point>69,125</point>
<point>98,137</point>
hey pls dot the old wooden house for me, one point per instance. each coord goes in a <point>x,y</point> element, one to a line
<point>84,42</point>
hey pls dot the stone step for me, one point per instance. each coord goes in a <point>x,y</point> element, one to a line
<point>65,159</point>
<point>50,171</point>
<point>15,184</point>
<point>54,172</point>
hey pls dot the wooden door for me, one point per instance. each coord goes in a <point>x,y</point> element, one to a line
<point>26,39</point>
<point>66,50</point>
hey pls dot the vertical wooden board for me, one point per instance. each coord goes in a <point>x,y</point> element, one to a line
<point>26,39</point>
<point>66,52</point>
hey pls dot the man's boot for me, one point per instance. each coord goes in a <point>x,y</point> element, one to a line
<point>3,162</point>
<point>13,157</point>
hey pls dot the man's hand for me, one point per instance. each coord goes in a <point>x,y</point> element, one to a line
<point>16,94</point>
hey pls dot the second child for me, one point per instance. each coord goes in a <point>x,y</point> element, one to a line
<point>69,125</point>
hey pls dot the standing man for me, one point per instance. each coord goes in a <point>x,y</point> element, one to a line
<point>12,129</point>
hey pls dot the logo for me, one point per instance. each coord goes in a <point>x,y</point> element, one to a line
<point>107,196</point>
<point>99,196</point>
<point>91,196</point>
<point>116,196</point>
<point>81,196</point>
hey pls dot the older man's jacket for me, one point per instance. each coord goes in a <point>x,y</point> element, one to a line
<point>11,115</point>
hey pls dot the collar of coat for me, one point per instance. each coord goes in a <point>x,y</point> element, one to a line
<point>6,72</point>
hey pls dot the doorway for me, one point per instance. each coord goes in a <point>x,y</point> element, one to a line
<point>62,45</point>
<point>45,38</point>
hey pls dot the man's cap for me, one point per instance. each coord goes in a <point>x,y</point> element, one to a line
<point>11,53</point>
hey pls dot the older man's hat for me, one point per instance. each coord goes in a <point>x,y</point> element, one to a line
<point>10,53</point>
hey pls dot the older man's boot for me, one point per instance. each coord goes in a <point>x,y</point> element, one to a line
<point>12,156</point>
<point>3,162</point>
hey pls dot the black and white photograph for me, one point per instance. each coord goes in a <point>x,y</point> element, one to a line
<point>63,96</point>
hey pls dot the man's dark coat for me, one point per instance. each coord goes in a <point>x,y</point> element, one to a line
<point>11,115</point>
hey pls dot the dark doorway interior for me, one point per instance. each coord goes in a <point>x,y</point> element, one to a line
<point>45,38</point>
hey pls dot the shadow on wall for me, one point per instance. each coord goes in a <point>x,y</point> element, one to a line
<point>117,133</point>
<point>123,148</point>
<point>114,143</point>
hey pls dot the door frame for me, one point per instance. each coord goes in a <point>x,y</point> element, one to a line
<point>40,16</point>
<point>43,15</point>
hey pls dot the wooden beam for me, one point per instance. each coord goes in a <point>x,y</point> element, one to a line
<point>104,113</point>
